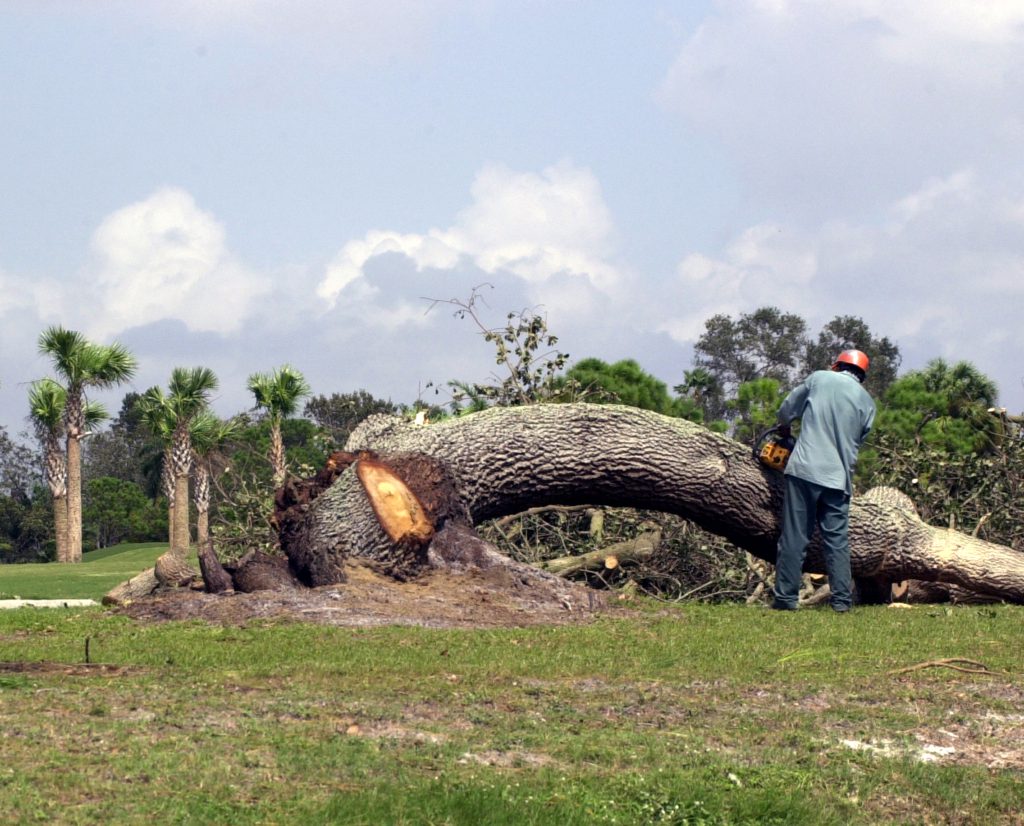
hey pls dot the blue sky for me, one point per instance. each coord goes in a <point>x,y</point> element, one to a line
<point>244,183</point>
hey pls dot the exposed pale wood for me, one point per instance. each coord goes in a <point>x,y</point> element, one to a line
<point>398,510</point>
<point>638,549</point>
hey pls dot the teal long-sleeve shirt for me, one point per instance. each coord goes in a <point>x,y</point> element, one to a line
<point>836,415</point>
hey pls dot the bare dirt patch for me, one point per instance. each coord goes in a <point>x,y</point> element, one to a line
<point>68,669</point>
<point>438,599</point>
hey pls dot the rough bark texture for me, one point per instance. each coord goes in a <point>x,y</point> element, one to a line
<point>74,524</point>
<point>167,486</point>
<point>257,571</point>
<point>215,578</point>
<point>60,526</point>
<point>277,455</point>
<point>202,500</point>
<point>57,479</point>
<point>139,586</point>
<point>172,569</point>
<point>181,535</point>
<point>505,460</point>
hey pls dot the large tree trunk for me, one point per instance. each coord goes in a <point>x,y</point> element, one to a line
<point>74,527</point>
<point>504,460</point>
<point>181,533</point>
<point>60,526</point>
<point>57,480</point>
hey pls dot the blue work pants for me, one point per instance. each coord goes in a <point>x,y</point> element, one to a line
<point>807,505</point>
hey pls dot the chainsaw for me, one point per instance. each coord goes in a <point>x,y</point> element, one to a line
<point>773,446</point>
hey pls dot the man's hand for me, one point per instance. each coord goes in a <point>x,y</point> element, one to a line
<point>784,431</point>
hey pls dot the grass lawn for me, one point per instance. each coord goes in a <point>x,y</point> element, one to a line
<point>675,715</point>
<point>98,573</point>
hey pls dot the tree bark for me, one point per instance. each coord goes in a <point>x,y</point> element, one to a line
<point>139,586</point>
<point>202,500</point>
<point>505,460</point>
<point>215,578</point>
<point>277,454</point>
<point>74,526</point>
<point>181,533</point>
<point>60,526</point>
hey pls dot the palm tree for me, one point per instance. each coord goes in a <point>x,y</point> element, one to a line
<point>188,395</point>
<point>970,393</point>
<point>208,435</point>
<point>81,365</point>
<point>46,401</point>
<point>279,393</point>
<point>158,418</point>
<point>46,411</point>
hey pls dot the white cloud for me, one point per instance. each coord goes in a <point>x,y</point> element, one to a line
<point>765,264</point>
<point>940,270</point>
<point>430,250</point>
<point>536,227</point>
<point>165,258</point>
<point>827,107</point>
<point>950,191</point>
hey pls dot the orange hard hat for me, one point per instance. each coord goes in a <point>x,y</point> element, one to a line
<point>854,358</point>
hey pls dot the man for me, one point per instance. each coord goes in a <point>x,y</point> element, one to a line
<point>836,415</point>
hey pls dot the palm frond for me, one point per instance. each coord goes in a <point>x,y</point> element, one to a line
<point>46,400</point>
<point>279,391</point>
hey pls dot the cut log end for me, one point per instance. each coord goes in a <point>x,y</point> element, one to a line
<point>398,510</point>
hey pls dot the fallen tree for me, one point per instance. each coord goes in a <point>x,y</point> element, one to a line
<point>404,499</point>
<point>409,488</point>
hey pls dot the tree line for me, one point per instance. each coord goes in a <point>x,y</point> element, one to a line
<point>166,464</point>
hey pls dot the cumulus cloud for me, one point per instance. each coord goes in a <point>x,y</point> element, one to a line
<point>164,258</point>
<point>876,146</point>
<point>840,104</point>
<point>940,270</point>
<point>540,228</point>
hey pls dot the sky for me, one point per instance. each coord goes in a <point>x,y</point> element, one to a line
<point>241,184</point>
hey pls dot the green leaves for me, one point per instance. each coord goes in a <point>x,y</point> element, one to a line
<point>279,391</point>
<point>46,399</point>
<point>85,364</point>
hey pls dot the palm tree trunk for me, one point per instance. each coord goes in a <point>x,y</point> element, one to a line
<point>74,531</point>
<point>167,483</point>
<point>57,480</point>
<point>181,535</point>
<point>60,526</point>
<point>277,459</point>
<point>202,497</point>
<point>202,526</point>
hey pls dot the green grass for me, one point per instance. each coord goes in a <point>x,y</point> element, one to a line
<point>690,715</point>
<point>98,572</point>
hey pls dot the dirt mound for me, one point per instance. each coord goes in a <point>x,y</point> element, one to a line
<point>438,599</point>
